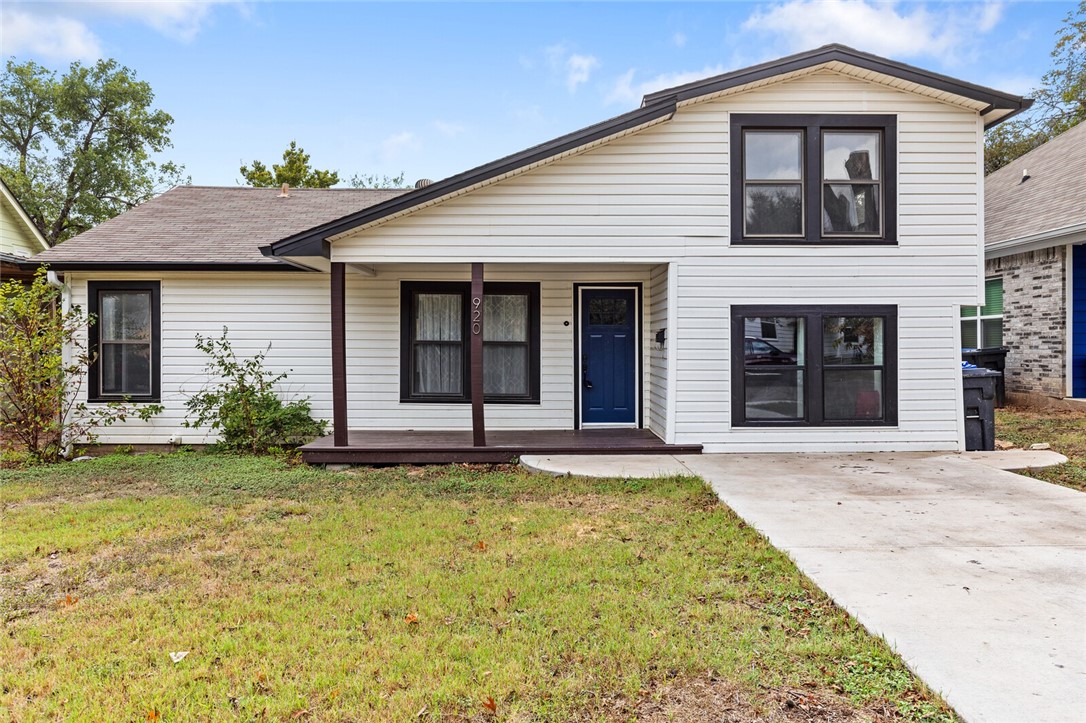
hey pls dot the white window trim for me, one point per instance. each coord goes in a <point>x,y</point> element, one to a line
<point>981,319</point>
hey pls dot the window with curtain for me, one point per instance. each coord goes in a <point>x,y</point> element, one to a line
<point>124,339</point>
<point>436,355</point>
<point>830,365</point>
<point>982,326</point>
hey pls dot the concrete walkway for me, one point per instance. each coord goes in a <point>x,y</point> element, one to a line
<point>975,575</point>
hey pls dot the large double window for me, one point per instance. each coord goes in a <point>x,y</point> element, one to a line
<point>436,349</point>
<point>124,341</point>
<point>831,365</point>
<point>982,326</point>
<point>813,179</point>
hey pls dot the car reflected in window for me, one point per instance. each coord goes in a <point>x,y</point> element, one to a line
<point>760,351</point>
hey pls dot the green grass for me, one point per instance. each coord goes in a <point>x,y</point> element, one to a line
<point>1064,430</point>
<point>396,593</point>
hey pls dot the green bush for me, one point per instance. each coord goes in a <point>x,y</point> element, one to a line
<point>241,404</point>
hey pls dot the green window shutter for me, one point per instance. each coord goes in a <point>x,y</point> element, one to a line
<point>993,297</point>
<point>969,311</point>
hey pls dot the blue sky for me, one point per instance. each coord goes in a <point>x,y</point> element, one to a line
<point>434,89</point>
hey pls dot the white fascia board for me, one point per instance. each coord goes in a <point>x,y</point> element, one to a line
<point>1073,234</point>
<point>316,263</point>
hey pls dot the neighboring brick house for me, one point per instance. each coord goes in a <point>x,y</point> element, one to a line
<point>1035,269</point>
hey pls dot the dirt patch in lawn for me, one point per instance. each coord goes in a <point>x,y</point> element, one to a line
<point>695,700</point>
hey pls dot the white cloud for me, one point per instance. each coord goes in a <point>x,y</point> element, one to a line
<point>178,19</point>
<point>62,30</point>
<point>679,39</point>
<point>891,28</point>
<point>49,37</point>
<point>578,70</point>
<point>574,68</point>
<point>625,90</point>
<point>398,143</point>
<point>447,129</point>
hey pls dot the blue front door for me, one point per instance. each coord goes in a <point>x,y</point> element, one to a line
<point>608,362</point>
<point>1078,321</point>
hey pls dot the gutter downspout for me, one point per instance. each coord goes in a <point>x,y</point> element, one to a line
<point>54,280</point>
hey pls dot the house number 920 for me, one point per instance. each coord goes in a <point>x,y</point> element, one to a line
<point>476,315</point>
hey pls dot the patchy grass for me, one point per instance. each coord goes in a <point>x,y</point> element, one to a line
<point>449,593</point>
<point>1065,431</point>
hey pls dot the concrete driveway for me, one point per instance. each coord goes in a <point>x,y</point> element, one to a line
<point>976,576</point>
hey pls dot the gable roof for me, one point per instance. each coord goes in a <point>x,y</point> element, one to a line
<point>11,200</point>
<point>1047,207</point>
<point>993,105</point>
<point>213,227</point>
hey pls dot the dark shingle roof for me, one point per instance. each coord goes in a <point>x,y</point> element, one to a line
<point>1053,198</point>
<point>208,225</point>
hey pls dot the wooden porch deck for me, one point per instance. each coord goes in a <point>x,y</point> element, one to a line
<point>411,447</point>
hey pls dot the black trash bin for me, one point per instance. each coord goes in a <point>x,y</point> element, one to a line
<point>995,359</point>
<point>979,393</point>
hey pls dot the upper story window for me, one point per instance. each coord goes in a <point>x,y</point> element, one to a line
<point>799,179</point>
<point>124,340</point>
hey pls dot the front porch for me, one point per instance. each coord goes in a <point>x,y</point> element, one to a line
<point>502,446</point>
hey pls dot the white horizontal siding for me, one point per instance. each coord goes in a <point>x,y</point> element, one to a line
<point>373,348</point>
<point>290,312</point>
<point>651,201</point>
<point>929,376</point>
<point>656,419</point>
<point>664,193</point>
<point>285,313</point>
<point>15,237</point>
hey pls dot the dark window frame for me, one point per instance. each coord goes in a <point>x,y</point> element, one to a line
<point>408,292</point>
<point>814,369</point>
<point>94,289</point>
<point>812,126</point>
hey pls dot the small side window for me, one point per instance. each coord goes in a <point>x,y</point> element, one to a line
<point>124,341</point>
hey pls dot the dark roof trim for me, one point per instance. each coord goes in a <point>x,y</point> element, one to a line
<point>843,54</point>
<point>311,242</point>
<point>157,266</point>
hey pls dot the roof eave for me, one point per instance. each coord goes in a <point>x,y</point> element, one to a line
<point>1074,234</point>
<point>841,54</point>
<point>280,265</point>
<point>1027,103</point>
<point>313,242</point>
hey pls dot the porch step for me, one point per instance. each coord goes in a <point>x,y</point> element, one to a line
<point>504,446</point>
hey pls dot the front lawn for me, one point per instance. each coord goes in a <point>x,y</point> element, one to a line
<point>443,593</point>
<point>1064,430</point>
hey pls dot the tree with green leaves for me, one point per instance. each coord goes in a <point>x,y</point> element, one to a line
<point>294,171</point>
<point>79,149</point>
<point>1059,104</point>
